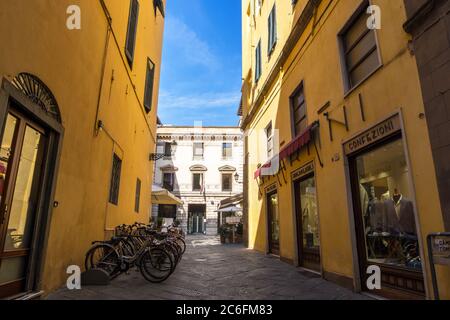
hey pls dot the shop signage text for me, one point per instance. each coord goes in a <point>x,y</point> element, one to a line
<point>303,171</point>
<point>373,135</point>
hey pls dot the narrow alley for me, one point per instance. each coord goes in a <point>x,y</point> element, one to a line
<point>211,271</point>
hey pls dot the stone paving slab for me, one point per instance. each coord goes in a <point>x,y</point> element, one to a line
<point>210,271</point>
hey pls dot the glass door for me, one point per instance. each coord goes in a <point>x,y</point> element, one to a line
<point>21,158</point>
<point>308,223</point>
<point>274,223</point>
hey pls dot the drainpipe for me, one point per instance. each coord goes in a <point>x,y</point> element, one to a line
<point>102,75</point>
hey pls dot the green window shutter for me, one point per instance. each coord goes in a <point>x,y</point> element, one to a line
<point>149,83</point>
<point>132,31</point>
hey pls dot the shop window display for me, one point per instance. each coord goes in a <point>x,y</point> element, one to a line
<point>387,208</point>
<point>310,218</point>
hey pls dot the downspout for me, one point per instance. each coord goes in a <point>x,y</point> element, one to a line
<point>102,75</point>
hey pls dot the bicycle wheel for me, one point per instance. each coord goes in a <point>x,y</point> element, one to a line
<point>180,241</point>
<point>105,257</point>
<point>156,265</point>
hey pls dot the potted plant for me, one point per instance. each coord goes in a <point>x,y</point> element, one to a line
<point>225,233</point>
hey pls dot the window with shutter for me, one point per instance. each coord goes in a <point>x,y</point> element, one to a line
<point>227,150</point>
<point>115,180</point>
<point>132,31</point>
<point>258,65</point>
<point>269,135</point>
<point>359,49</point>
<point>137,201</point>
<point>298,105</point>
<point>198,149</point>
<point>159,5</point>
<point>168,181</point>
<point>227,182</point>
<point>272,30</point>
<point>150,78</point>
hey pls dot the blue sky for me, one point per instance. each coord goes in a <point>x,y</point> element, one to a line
<point>201,68</point>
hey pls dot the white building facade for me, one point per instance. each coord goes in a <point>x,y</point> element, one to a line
<point>202,166</point>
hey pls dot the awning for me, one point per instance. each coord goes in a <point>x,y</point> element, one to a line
<point>163,196</point>
<point>299,142</point>
<point>230,209</point>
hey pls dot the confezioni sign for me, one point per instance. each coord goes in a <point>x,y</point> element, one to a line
<point>373,135</point>
<point>271,188</point>
<point>303,171</point>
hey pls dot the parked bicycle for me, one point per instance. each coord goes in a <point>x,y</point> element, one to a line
<point>156,254</point>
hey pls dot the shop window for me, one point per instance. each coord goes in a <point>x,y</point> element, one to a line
<point>359,49</point>
<point>137,199</point>
<point>168,181</point>
<point>198,149</point>
<point>386,207</point>
<point>149,82</point>
<point>227,150</point>
<point>132,31</point>
<point>298,105</point>
<point>197,183</point>
<point>167,211</point>
<point>227,182</point>
<point>310,217</point>
<point>115,180</point>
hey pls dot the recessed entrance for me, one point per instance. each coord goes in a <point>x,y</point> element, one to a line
<point>308,238</point>
<point>197,218</point>
<point>21,162</point>
<point>273,221</point>
<point>30,131</point>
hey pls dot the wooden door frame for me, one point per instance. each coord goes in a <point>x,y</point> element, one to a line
<point>269,224</point>
<point>299,222</point>
<point>11,181</point>
<point>12,98</point>
<point>391,293</point>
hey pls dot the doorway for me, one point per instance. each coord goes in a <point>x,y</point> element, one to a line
<point>197,218</point>
<point>23,147</point>
<point>385,220</point>
<point>308,236</point>
<point>273,221</point>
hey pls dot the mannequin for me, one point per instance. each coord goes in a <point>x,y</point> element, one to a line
<point>400,214</point>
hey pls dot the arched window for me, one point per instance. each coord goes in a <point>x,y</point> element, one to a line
<point>38,93</point>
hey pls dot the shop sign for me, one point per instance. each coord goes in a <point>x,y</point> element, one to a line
<point>303,171</point>
<point>271,188</point>
<point>373,135</point>
<point>441,250</point>
<point>233,220</point>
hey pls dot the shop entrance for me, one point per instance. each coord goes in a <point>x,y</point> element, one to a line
<point>273,223</point>
<point>308,238</point>
<point>196,219</point>
<point>385,220</point>
<point>22,153</point>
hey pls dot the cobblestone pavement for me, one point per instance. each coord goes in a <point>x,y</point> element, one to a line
<point>210,270</point>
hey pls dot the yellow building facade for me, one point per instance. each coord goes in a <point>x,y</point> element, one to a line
<point>78,101</point>
<point>339,174</point>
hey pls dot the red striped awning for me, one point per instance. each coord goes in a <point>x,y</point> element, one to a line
<point>299,142</point>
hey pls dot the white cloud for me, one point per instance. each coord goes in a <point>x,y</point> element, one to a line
<point>185,41</point>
